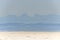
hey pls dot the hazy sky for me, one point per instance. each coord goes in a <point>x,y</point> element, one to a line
<point>18,7</point>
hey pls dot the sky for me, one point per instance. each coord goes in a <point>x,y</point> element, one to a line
<point>31,7</point>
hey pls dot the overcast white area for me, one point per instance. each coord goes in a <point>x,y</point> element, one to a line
<point>18,7</point>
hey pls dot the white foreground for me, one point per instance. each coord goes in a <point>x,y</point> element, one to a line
<point>29,35</point>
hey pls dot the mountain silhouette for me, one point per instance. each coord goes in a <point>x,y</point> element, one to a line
<point>27,19</point>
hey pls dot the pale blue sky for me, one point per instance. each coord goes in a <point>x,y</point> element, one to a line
<point>18,7</point>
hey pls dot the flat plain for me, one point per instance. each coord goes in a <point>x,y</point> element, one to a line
<point>29,35</point>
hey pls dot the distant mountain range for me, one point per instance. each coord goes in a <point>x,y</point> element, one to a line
<point>27,23</point>
<point>27,19</point>
<point>30,27</point>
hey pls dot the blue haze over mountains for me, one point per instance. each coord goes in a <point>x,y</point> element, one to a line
<point>24,18</point>
<point>27,23</point>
